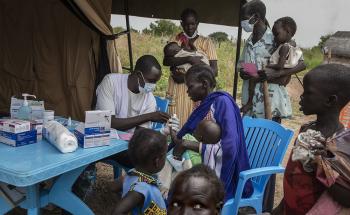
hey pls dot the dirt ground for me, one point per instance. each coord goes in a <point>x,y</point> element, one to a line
<point>103,200</point>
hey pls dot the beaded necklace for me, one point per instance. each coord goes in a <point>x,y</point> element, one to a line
<point>143,177</point>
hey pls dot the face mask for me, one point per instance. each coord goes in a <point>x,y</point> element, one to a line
<point>191,37</point>
<point>247,27</point>
<point>148,88</point>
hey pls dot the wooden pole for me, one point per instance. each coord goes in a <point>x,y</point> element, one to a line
<point>238,52</point>
<point>267,101</point>
<point>126,2</point>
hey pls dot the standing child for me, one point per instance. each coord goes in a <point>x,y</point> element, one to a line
<point>325,174</point>
<point>141,194</point>
<point>196,191</point>
<point>287,55</point>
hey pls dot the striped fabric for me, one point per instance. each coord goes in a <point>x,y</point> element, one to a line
<point>345,116</point>
<point>180,104</point>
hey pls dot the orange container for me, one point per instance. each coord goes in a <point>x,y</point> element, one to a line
<point>345,116</point>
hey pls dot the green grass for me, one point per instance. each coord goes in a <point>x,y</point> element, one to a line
<point>313,57</point>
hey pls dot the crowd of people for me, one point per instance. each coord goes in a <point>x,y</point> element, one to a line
<point>210,129</point>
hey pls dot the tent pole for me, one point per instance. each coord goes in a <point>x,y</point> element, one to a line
<point>238,52</point>
<point>129,34</point>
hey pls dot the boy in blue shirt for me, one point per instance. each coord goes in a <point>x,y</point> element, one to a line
<point>141,195</point>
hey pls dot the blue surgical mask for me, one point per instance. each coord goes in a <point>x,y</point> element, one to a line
<point>247,27</point>
<point>148,88</point>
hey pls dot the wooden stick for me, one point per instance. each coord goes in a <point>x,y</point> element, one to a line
<point>267,101</point>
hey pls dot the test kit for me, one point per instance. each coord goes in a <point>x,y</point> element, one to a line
<point>96,129</point>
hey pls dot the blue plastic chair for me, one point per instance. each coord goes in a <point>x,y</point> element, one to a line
<point>267,142</point>
<point>162,105</point>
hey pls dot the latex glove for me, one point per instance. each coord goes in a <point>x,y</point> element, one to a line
<point>177,164</point>
<point>165,130</point>
<point>173,123</point>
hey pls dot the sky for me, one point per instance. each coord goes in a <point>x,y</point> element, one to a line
<point>314,18</point>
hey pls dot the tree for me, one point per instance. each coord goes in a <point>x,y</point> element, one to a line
<point>119,29</point>
<point>162,28</point>
<point>323,39</point>
<point>219,36</point>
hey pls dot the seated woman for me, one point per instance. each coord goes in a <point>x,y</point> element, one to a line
<point>228,157</point>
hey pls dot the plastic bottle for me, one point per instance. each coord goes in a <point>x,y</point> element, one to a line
<point>70,126</point>
<point>25,111</point>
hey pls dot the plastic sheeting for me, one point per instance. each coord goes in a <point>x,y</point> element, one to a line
<point>47,51</point>
<point>221,12</point>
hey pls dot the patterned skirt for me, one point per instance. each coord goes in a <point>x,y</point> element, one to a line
<point>280,101</point>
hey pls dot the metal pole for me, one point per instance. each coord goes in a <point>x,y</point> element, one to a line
<point>238,52</point>
<point>129,34</point>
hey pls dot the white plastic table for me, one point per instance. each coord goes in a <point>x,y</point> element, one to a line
<point>27,166</point>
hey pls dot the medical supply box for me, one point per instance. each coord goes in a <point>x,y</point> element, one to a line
<point>96,129</point>
<point>15,132</point>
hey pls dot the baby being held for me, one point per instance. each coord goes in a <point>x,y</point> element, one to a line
<point>207,132</point>
<point>172,49</point>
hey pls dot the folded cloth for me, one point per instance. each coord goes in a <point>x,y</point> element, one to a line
<point>60,137</point>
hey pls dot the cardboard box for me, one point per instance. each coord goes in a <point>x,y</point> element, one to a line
<point>96,129</point>
<point>14,125</point>
<point>19,139</point>
<point>91,140</point>
<point>38,126</point>
<point>97,122</point>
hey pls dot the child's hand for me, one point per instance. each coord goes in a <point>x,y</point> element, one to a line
<point>270,74</point>
<point>195,60</point>
<point>243,74</point>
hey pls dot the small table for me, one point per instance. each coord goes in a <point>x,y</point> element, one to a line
<point>27,166</point>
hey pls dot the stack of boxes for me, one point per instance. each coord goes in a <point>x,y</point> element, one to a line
<point>16,132</point>
<point>96,129</point>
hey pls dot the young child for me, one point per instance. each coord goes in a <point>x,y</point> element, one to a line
<point>287,55</point>
<point>179,159</point>
<point>141,194</point>
<point>172,49</point>
<point>196,191</point>
<point>207,132</point>
<point>319,183</point>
